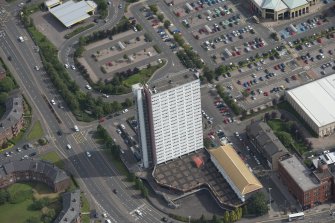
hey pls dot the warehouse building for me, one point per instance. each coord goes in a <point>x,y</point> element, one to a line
<point>280,9</point>
<point>234,170</point>
<point>71,13</point>
<point>315,103</point>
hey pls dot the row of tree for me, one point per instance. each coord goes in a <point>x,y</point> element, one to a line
<point>77,100</point>
<point>109,143</point>
<point>228,100</point>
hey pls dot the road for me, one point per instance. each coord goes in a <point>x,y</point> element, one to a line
<point>96,176</point>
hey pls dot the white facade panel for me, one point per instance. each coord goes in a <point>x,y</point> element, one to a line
<point>177,121</point>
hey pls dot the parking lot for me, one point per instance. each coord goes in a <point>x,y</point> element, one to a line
<point>125,51</point>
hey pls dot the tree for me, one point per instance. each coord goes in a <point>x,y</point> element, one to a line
<point>3,97</point>
<point>258,204</point>
<point>145,192</point>
<point>266,116</point>
<point>285,138</point>
<point>160,17</point>
<point>131,177</point>
<point>33,220</point>
<point>239,213</point>
<point>232,216</point>
<point>167,24</point>
<point>3,196</point>
<point>226,217</point>
<point>127,103</point>
<point>7,84</point>
<point>153,8</point>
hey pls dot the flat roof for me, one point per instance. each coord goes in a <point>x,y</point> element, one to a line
<point>299,173</point>
<point>52,2</point>
<point>317,100</point>
<point>236,169</point>
<point>291,4</point>
<point>71,12</point>
<point>172,80</point>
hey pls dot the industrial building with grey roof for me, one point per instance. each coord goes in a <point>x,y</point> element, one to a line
<point>71,13</point>
<point>315,103</point>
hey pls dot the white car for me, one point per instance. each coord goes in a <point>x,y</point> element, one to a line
<point>118,131</point>
<point>88,87</point>
<point>160,61</point>
<point>139,213</point>
<point>73,67</point>
<point>53,101</point>
<point>18,150</point>
<point>105,95</point>
<point>66,66</point>
<point>125,111</point>
<point>37,68</point>
<point>68,146</point>
<point>88,154</point>
<point>122,126</point>
<point>120,6</point>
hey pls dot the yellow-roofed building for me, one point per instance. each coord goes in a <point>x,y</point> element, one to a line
<point>235,171</point>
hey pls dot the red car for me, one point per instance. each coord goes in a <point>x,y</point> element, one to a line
<point>266,94</point>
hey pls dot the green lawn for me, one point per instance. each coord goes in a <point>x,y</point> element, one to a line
<point>278,125</point>
<point>142,76</point>
<point>20,212</point>
<point>54,158</point>
<point>36,132</point>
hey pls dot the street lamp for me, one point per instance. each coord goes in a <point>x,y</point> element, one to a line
<point>189,219</point>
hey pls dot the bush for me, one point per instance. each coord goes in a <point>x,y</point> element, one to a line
<point>39,204</point>
<point>19,196</point>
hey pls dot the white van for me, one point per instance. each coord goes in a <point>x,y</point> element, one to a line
<point>68,146</point>
<point>76,128</point>
<point>108,221</point>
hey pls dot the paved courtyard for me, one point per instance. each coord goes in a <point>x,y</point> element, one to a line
<point>182,174</point>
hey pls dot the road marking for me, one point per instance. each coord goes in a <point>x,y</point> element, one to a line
<point>138,208</point>
<point>79,137</point>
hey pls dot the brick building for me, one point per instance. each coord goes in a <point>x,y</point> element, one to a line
<point>34,170</point>
<point>310,188</point>
<point>266,142</point>
<point>11,122</point>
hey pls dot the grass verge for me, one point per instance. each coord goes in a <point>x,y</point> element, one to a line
<point>117,163</point>
<point>85,208</point>
<point>142,76</point>
<point>78,30</point>
<point>54,158</point>
<point>36,132</point>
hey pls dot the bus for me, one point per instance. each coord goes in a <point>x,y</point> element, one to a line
<point>296,216</point>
